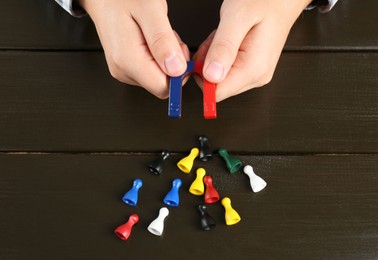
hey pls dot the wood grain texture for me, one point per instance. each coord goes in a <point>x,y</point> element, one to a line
<point>316,103</point>
<point>72,140</point>
<point>67,206</point>
<point>42,24</point>
<point>347,27</point>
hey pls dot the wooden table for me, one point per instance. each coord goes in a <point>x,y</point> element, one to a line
<point>72,140</point>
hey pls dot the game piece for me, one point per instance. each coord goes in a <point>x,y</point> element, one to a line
<point>257,183</point>
<point>172,198</point>
<point>206,221</point>
<point>157,226</point>
<point>186,163</point>
<point>131,197</point>
<point>175,93</point>
<point>232,163</point>
<point>124,230</point>
<point>205,154</point>
<point>156,166</point>
<point>198,187</point>
<point>231,216</point>
<point>211,194</point>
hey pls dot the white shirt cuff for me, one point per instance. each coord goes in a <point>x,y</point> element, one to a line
<point>72,8</point>
<point>328,7</point>
<point>324,8</point>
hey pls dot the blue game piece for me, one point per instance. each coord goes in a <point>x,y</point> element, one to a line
<point>131,197</point>
<point>172,198</point>
<point>175,90</point>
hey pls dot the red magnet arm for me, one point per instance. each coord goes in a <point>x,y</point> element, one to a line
<point>209,103</point>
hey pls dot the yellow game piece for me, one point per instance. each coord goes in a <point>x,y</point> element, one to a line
<point>231,216</point>
<point>186,163</point>
<point>197,187</point>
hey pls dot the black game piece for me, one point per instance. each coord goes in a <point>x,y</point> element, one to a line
<point>156,166</point>
<point>207,222</point>
<point>205,152</point>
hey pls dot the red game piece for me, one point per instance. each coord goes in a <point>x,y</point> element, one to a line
<point>211,194</point>
<point>124,230</point>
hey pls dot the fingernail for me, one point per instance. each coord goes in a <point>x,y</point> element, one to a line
<point>215,71</point>
<point>173,64</point>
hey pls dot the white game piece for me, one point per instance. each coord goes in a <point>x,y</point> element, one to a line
<point>257,183</point>
<point>157,226</point>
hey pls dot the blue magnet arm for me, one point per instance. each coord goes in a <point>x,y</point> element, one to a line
<point>174,108</point>
<point>189,67</point>
<point>175,90</point>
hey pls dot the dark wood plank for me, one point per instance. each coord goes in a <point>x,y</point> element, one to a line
<point>67,206</point>
<point>347,27</point>
<point>317,102</point>
<point>42,24</point>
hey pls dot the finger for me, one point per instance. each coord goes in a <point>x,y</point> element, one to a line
<point>224,48</point>
<point>130,61</point>
<point>255,62</point>
<point>200,55</point>
<point>184,47</point>
<point>152,18</point>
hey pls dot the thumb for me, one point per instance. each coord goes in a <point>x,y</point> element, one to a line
<point>225,46</point>
<point>161,39</point>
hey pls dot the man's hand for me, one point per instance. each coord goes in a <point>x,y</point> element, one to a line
<point>139,44</point>
<point>244,50</point>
